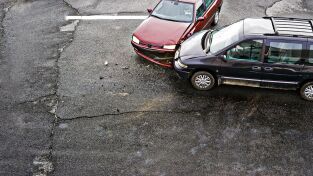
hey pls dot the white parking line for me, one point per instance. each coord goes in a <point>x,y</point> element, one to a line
<point>105,17</point>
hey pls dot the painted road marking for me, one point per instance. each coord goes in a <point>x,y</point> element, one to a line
<point>105,17</point>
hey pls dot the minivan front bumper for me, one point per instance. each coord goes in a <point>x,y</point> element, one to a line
<point>181,72</point>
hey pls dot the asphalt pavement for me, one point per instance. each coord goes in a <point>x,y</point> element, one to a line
<point>77,100</point>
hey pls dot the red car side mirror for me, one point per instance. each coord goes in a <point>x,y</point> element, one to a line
<point>200,19</point>
<point>149,10</point>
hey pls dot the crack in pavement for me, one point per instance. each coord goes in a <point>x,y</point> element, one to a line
<point>70,6</point>
<point>128,112</point>
<point>44,164</point>
<point>36,99</point>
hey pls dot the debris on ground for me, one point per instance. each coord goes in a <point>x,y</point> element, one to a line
<point>42,166</point>
<point>123,94</point>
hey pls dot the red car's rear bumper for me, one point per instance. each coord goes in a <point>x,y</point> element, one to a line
<point>146,53</point>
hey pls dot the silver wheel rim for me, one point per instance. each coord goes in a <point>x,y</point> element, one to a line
<point>203,81</point>
<point>216,17</point>
<point>308,92</point>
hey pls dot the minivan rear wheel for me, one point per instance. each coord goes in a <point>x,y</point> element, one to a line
<point>203,80</point>
<point>306,91</point>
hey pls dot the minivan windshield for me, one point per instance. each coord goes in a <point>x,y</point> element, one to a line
<point>174,11</point>
<point>225,37</point>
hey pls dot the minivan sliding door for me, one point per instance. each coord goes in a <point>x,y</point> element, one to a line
<point>283,63</point>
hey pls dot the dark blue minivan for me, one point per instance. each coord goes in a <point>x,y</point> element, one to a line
<point>269,52</point>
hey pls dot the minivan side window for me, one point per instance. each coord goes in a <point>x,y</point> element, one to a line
<point>311,55</point>
<point>283,52</point>
<point>247,51</point>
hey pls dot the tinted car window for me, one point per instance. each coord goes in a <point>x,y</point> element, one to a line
<point>208,2</point>
<point>311,55</point>
<point>283,52</point>
<point>201,8</point>
<point>248,51</point>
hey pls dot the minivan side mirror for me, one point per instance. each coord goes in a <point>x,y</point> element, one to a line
<point>149,10</point>
<point>200,19</point>
<point>223,57</point>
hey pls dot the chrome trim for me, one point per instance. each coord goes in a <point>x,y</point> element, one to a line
<point>259,80</point>
<point>281,82</point>
<point>241,79</point>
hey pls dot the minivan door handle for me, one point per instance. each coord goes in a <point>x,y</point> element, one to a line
<point>256,68</point>
<point>268,69</point>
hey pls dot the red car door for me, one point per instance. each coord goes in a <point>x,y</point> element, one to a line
<point>207,10</point>
<point>200,12</point>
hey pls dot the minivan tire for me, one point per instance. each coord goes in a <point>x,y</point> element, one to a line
<point>306,91</point>
<point>203,80</point>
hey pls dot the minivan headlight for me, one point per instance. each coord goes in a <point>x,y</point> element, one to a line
<point>181,64</point>
<point>170,47</point>
<point>177,54</point>
<point>136,40</point>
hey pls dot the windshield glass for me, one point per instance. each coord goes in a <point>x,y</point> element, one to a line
<point>174,11</point>
<point>226,37</point>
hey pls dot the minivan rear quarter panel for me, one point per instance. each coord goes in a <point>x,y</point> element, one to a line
<point>308,66</point>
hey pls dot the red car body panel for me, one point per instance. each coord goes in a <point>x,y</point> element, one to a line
<point>152,60</point>
<point>208,16</point>
<point>154,33</point>
<point>160,32</point>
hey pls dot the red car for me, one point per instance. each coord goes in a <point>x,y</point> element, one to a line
<point>170,23</point>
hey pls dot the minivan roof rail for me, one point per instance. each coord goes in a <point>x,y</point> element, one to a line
<point>295,27</point>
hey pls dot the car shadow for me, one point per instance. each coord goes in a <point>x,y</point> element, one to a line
<point>237,92</point>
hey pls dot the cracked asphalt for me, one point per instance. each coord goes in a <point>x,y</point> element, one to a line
<point>76,100</point>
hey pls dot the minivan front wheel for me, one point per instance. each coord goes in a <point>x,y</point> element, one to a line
<point>306,91</point>
<point>202,80</point>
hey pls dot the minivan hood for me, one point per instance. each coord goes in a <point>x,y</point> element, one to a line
<point>192,47</point>
<point>162,32</point>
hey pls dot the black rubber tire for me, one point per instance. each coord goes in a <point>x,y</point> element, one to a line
<point>203,73</point>
<point>214,22</point>
<point>302,91</point>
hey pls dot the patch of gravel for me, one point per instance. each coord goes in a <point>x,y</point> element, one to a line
<point>285,7</point>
